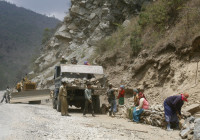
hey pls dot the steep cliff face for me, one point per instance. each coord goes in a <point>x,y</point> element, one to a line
<point>169,68</point>
<point>87,22</point>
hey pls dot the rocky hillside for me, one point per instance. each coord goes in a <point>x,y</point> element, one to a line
<point>21,33</point>
<point>152,45</point>
<point>87,23</point>
<point>160,52</point>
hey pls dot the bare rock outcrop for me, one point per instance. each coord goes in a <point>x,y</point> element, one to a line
<point>87,22</point>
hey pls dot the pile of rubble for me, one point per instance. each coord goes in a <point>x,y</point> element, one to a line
<point>78,82</point>
<point>191,126</point>
<point>191,129</point>
<point>154,116</point>
<point>197,129</point>
<point>188,128</point>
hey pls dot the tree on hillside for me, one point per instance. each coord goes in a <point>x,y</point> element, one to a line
<point>47,34</point>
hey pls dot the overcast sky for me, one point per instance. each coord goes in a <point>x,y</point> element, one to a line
<point>58,8</point>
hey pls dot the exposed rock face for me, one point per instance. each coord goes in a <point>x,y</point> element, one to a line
<point>161,72</point>
<point>153,116</point>
<point>194,108</point>
<point>197,129</point>
<point>87,22</point>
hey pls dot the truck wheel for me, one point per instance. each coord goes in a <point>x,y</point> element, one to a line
<point>35,102</point>
<point>58,105</point>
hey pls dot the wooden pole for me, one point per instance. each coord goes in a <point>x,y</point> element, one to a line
<point>196,73</point>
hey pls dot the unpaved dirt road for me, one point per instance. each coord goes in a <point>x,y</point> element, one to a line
<point>35,122</point>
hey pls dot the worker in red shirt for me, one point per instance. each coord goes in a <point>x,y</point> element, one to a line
<point>121,95</point>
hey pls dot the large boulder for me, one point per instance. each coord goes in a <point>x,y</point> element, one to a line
<point>78,10</point>
<point>65,35</point>
<point>192,108</point>
<point>197,129</point>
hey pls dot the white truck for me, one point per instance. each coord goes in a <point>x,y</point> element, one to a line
<point>76,77</point>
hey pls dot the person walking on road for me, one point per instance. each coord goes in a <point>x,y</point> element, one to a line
<point>63,99</point>
<point>111,100</point>
<point>6,95</point>
<point>88,99</point>
<point>172,108</point>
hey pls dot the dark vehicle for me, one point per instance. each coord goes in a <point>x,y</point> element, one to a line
<point>76,77</point>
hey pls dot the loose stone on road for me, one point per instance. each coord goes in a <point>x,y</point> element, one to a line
<point>25,121</point>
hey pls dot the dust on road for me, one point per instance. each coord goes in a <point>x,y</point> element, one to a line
<point>31,122</point>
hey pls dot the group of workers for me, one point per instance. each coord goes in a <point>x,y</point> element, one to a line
<point>73,61</point>
<point>172,105</point>
<point>63,92</point>
<point>64,103</point>
<point>172,108</point>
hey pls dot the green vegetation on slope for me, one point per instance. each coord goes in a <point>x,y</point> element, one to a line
<point>21,33</point>
<point>153,25</point>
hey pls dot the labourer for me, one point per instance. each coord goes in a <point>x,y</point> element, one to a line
<point>88,99</point>
<point>19,86</point>
<point>136,97</point>
<point>111,100</point>
<point>172,108</point>
<point>121,95</point>
<point>74,61</point>
<point>26,78</point>
<point>63,99</point>
<point>6,95</point>
<point>90,76</point>
<point>51,94</point>
<point>143,105</point>
<point>63,60</point>
<point>86,63</point>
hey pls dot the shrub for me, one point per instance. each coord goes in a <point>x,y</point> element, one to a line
<point>112,42</point>
<point>105,45</point>
<point>144,19</point>
<point>161,13</point>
